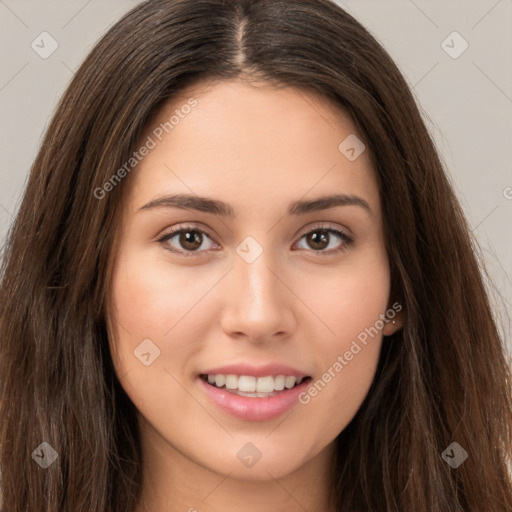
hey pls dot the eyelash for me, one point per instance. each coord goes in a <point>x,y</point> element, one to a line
<point>346,239</point>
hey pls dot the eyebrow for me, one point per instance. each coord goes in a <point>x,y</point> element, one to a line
<point>217,207</point>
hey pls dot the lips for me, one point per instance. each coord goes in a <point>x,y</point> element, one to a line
<point>254,393</point>
<point>272,369</point>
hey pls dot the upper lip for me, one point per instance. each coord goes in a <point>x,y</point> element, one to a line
<point>263,370</point>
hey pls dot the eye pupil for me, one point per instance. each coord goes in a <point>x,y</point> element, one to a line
<point>322,239</point>
<point>190,237</point>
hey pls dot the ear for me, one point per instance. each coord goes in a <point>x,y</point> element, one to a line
<point>395,319</point>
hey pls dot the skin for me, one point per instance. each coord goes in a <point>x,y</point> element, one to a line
<point>258,149</point>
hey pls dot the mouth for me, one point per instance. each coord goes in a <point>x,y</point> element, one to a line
<point>251,386</point>
<point>252,398</point>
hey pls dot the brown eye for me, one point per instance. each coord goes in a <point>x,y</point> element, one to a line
<point>318,240</point>
<point>190,240</point>
<point>187,241</point>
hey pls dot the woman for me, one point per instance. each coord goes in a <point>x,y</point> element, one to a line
<point>240,279</point>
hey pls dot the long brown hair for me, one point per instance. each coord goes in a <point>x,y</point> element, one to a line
<point>444,378</point>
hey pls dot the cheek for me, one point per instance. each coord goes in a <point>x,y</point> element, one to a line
<point>351,305</point>
<point>151,302</point>
<point>150,314</point>
<point>348,299</point>
<point>149,297</point>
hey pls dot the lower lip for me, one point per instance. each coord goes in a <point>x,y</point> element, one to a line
<point>254,409</point>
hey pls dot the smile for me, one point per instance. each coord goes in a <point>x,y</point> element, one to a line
<point>256,387</point>
<point>253,398</point>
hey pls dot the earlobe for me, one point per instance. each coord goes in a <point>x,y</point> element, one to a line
<point>394,325</point>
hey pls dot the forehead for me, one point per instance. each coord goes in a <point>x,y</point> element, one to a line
<point>252,145</point>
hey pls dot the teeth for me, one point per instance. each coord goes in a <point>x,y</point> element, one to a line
<point>289,382</point>
<point>266,384</point>
<point>231,381</point>
<point>248,385</point>
<point>279,382</point>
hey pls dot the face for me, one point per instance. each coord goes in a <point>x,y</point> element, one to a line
<point>261,286</point>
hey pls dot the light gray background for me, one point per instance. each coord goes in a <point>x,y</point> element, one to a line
<point>467,100</point>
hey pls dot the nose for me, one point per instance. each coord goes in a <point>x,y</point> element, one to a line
<point>258,304</point>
